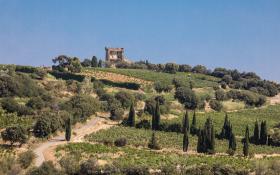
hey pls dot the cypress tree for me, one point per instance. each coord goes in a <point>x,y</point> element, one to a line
<point>193,129</point>
<point>263,133</point>
<point>131,116</point>
<point>232,143</point>
<point>157,116</point>
<point>94,62</point>
<point>212,143</point>
<point>209,136</point>
<point>153,143</point>
<point>99,63</point>
<point>246,143</point>
<point>200,141</point>
<point>226,130</point>
<point>256,136</point>
<point>186,132</point>
<point>68,130</point>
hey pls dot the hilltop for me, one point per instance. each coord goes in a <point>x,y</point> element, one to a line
<point>127,118</point>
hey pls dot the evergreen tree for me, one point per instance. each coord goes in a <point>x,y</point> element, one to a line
<point>94,61</point>
<point>153,142</point>
<point>99,63</point>
<point>226,130</point>
<point>232,143</point>
<point>186,132</point>
<point>209,136</point>
<point>200,141</point>
<point>256,137</point>
<point>68,129</point>
<point>193,129</point>
<point>156,117</point>
<point>246,143</point>
<point>263,133</point>
<point>131,116</point>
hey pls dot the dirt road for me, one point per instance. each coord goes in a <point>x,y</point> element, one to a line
<point>43,150</point>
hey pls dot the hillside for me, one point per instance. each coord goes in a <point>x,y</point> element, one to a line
<point>127,120</point>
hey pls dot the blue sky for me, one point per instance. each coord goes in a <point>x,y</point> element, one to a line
<point>242,34</point>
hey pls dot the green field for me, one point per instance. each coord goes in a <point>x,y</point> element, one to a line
<point>199,80</point>
<point>168,140</point>
<point>129,157</point>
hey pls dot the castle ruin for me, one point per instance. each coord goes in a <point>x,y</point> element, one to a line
<point>114,54</point>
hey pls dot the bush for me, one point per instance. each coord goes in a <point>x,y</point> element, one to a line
<point>187,97</point>
<point>171,68</point>
<point>125,98</point>
<point>216,105</point>
<point>220,95</point>
<point>46,168</point>
<point>116,114</point>
<point>90,166</point>
<point>162,87</point>
<point>127,85</point>
<point>14,134</point>
<point>67,76</point>
<point>81,107</point>
<point>185,68</point>
<point>120,142</point>
<point>70,164</point>
<point>144,124</point>
<point>26,158</point>
<point>11,106</point>
<point>136,170</point>
<point>35,103</point>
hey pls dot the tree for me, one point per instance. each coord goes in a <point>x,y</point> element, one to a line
<point>171,68</point>
<point>131,116</point>
<point>187,97</point>
<point>193,129</point>
<point>263,133</point>
<point>206,138</point>
<point>94,61</point>
<point>68,129</point>
<point>100,63</point>
<point>153,142</point>
<point>66,63</point>
<point>256,137</point>
<point>201,147</point>
<point>86,63</point>
<point>185,68</point>
<point>156,117</point>
<point>14,134</point>
<point>186,132</point>
<point>246,142</point>
<point>226,130</point>
<point>216,105</point>
<point>232,143</point>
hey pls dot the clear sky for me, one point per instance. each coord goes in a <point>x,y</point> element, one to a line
<point>242,34</point>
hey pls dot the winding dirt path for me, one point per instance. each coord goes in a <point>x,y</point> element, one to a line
<point>45,151</point>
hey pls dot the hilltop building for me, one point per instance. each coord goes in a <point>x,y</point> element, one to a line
<point>114,54</point>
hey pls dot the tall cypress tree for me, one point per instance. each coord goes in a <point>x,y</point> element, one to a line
<point>263,133</point>
<point>157,116</point>
<point>200,141</point>
<point>131,116</point>
<point>68,130</point>
<point>246,142</point>
<point>226,130</point>
<point>232,143</point>
<point>186,132</point>
<point>94,61</point>
<point>256,136</point>
<point>193,129</point>
<point>153,142</point>
<point>209,136</point>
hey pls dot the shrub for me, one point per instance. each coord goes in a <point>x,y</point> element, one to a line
<point>127,85</point>
<point>89,166</point>
<point>171,68</point>
<point>46,168</point>
<point>14,134</point>
<point>67,76</point>
<point>35,103</point>
<point>187,97</point>
<point>199,69</point>
<point>220,95</point>
<point>120,142</point>
<point>11,106</point>
<point>81,107</point>
<point>162,87</point>
<point>125,98</point>
<point>116,114</point>
<point>25,159</point>
<point>136,170</point>
<point>70,164</point>
<point>216,105</point>
<point>185,68</point>
<point>144,124</point>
